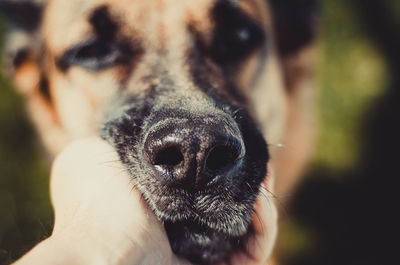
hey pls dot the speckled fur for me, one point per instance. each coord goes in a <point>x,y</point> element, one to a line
<point>90,67</point>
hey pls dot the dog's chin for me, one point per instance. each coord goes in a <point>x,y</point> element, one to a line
<point>221,207</point>
<point>204,233</point>
<point>200,244</point>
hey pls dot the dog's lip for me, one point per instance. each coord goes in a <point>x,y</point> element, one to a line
<point>199,240</point>
<point>195,228</point>
<point>189,210</point>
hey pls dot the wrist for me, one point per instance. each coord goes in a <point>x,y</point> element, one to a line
<point>111,241</point>
<point>79,246</point>
<point>90,244</point>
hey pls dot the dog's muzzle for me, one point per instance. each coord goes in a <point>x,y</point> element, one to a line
<point>198,165</point>
<point>191,153</point>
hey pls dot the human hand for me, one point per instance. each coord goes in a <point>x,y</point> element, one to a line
<point>101,218</point>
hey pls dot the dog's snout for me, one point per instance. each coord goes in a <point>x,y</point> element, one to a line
<point>168,156</point>
<point>191,154</point>
<point>222,156</point>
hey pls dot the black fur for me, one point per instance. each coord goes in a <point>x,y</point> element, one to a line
<point>235,36</point>
<point>296,24</point>
<point>25,15</point>
<point>227,49</point>
<point>105,28</point>
<point>44,88</point>
<point>207,223</point>
<point>214,220</point>
<point>104,49</point>
<point>20,58</point>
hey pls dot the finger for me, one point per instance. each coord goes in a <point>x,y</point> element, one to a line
<point>88,180</point>
<point>94,197</point>
<point>69,178</point>
<point>265,208</point>
<point>260,245</point>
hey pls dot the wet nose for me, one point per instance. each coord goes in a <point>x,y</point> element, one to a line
<point>192,154</point>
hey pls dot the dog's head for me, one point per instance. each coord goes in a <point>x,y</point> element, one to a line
<point>186,92</point>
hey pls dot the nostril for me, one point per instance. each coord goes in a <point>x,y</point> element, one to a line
<point>189,155</point>
<point>168,156</point>
<point>221,157</point>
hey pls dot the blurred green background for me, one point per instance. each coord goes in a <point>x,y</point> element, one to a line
<point>355,76</point>
<point>25,211</point>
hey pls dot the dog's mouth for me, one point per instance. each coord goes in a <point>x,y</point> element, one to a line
<point>200,244</point>
<point>216,210</point>
<point>199,172</point>
<point>206,227</point>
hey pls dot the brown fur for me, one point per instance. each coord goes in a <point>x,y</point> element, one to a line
<point>280,98</point>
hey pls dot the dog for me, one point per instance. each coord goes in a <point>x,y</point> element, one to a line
<point>195,96</point>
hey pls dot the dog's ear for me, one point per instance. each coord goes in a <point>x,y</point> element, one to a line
<point>25,61</point>
<point>23,14</point>
<point>23,45</point>
<point>296,24</point>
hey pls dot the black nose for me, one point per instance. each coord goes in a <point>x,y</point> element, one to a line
<point>191,154</point>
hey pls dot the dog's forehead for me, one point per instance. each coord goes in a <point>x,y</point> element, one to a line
<point>69,22</point>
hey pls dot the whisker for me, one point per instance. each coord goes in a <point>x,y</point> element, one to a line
<point>111,161</point>
<point>267,197</point>
<point>248,184</point>
<point>236,111</point>
<point>280,203</point>
<point>278,145</point>
<point>259,220</point>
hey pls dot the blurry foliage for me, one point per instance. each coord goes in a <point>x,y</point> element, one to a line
<point>351,76</point>
<point>25,211</point>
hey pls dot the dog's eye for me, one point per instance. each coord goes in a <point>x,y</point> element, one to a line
<point>97,55</point>
<point>235,43</point>
<point>235,36</point>
<point>94,51</point>
<point>93,55</point>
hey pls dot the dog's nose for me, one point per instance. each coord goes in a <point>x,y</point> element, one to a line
<point>192,154</point>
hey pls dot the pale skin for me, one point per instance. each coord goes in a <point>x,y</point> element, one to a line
<point>100,218</point>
